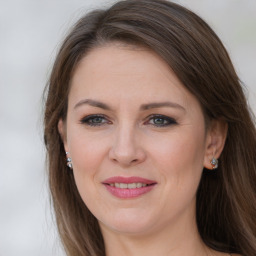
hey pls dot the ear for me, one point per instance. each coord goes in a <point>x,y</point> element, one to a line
<point>215,141</point>
<point>62,132</point>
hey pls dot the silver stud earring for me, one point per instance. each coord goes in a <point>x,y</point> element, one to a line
<point>69,162</point>
<point>214,163</point>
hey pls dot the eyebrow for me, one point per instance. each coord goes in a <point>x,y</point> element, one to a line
<point>161,105</point>
<point>102,105</point>
<point>92,103</point>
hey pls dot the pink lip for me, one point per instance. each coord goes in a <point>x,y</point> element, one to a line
<point>120,179</point>
<point>128,193</point>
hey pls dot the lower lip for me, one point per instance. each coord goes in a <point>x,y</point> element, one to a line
<point>128,193</point>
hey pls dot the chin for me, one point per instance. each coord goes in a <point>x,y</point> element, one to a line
<point>128,223</point>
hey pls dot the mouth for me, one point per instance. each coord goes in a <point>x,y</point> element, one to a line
<point>128,187</point>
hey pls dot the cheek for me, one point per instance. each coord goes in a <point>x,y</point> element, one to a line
<point>87,155</point>
<point>86,150</point>
<point>181,156</point>
<point>179,160</point>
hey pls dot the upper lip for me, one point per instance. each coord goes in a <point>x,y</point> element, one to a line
<point>133,179</point>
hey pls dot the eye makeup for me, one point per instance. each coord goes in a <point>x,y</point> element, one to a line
<point>156,120</point>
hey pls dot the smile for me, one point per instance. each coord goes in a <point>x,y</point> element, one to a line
<point>128,187</point>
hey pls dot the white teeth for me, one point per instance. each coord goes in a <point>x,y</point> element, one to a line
<point>129,185</point>
<point>139,185</point>
<point>123,185</point>
<point>132,185</point>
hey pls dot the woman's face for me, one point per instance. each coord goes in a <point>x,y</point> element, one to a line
<point>137,140</point>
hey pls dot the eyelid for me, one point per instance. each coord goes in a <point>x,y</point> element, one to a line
<point>171,120</point>
<point>85,120</point>
<point>88,120</point>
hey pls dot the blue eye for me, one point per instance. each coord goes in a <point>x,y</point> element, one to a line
<point>161,120</point>
<point>94,120</point>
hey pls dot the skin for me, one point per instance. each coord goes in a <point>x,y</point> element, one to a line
<point>128,141</point>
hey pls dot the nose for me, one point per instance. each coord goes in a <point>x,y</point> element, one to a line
<point>126,149</point>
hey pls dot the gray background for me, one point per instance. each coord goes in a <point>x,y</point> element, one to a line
<point>30,32</point>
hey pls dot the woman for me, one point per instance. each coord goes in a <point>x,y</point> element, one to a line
<point>150,142</point>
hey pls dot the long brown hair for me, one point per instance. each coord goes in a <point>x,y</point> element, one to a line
<point>226,198</point>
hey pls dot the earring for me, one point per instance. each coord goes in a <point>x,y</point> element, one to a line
<point>69,161</point>
<point>214,163</point>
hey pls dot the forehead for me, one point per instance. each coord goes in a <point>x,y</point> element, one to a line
<point>118,71</point>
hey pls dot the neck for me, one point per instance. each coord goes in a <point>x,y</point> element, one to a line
<point>180,238</point>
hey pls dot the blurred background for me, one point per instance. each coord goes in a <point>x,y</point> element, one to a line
<point>30,33</point>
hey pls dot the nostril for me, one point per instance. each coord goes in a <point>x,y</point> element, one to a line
<point>124,161</point>
<point>126,154</point>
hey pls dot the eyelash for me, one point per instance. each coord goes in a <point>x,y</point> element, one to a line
<point>89,120</point>
<point>167,120</point>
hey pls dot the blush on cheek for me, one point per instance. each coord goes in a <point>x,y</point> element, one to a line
<point>83,152</point>
<point>183,154</point>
